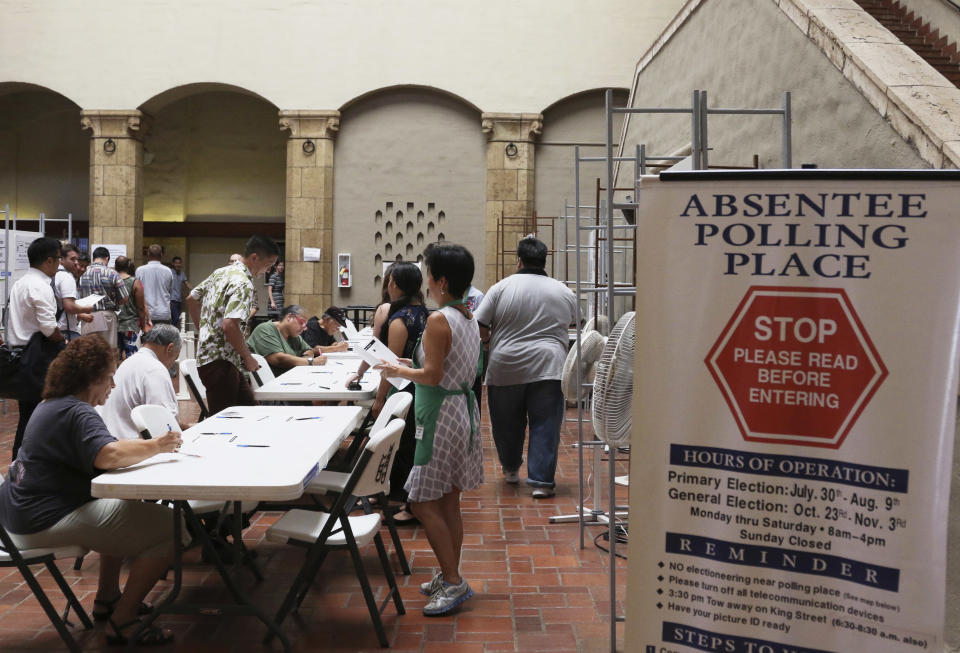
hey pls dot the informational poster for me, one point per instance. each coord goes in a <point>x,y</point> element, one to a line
<point>118,249</point>
<point>21,261</point>
<point>795,397</point>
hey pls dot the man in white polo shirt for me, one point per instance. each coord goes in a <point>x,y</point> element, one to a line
<point>526,317</point>
<point>158,281</point>
<point>65,286</point>
<point>144,378</point>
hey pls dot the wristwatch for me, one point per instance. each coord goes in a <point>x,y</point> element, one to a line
<point>310,360</point>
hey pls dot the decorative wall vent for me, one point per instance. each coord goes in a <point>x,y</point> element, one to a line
<point>402,235</point>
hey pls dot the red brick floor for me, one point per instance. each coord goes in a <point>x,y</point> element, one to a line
<point>536,589</point>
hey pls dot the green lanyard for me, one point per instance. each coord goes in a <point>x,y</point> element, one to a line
<point>454,302</point>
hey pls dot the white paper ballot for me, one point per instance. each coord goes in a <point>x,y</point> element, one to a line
<point>350,331</point>
<point>375,352</point>
<point>99,323</point>
<point>89,300</point>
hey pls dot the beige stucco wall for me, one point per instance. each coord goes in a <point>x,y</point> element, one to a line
<point>833,126</point>
<point>500,55</point>
<point>406,148</point>
<point>44,156</point>
<point>215,156</point>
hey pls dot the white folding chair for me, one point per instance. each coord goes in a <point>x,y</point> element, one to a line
<point>396,406</point>
<point>188,370</point>
<point>264,375</point>
<point>321,532</point>
<point>11,556</point>
<point>152,421</point>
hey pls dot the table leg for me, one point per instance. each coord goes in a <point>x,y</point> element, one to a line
<point>242,606</point>
<point>244,554</point>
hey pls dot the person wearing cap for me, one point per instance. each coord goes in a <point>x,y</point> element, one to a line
<point>280,342</point>
<point>324,332</point>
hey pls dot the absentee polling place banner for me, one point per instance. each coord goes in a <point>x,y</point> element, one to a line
<point>795,397</point>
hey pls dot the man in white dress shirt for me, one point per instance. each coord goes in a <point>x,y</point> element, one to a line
<point>158,282</point>
<point>33,309</point>
<point>144,378</point>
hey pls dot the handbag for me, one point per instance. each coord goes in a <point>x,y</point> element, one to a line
<point>23,370</point>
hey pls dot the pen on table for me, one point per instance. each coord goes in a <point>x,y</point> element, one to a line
<point>292,383</point>
<point>263,446</point>
<point>325,387</point>
<point>216,433</point>
<point>229,417</point>
<point>314,417</point>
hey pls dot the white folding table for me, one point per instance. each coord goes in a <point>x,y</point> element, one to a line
<point>262,453</point>
<point>320,383</point>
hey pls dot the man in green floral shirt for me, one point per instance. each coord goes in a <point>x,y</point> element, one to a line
<point>221,306</point>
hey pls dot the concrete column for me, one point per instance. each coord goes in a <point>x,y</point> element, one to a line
<point>309,200</point>
<point>510,192</point>
<point>116,177</point>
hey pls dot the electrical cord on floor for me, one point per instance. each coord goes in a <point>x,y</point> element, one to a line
<point>621,538</point>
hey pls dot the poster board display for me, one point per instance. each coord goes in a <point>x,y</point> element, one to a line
<point>16,260</point>
<point>116,249</point>
<point>795,400</point>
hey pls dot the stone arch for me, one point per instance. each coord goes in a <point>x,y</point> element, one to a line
<point>44,157</point>
<point>163,98</point>
<point>215,159</point>
<point>417,88</point>
<point>405,152</point>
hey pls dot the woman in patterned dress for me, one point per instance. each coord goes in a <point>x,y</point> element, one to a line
<point>449,458</point>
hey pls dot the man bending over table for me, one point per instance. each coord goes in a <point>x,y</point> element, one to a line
<point>222,305</point>
<point>144,378</point>
<point>281,344</point>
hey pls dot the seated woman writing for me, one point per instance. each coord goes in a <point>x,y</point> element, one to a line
<point>46,501</point>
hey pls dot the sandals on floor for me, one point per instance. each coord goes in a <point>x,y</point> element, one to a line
<point>402,521</point>
<point>150,636</point>
<point>105,610</point>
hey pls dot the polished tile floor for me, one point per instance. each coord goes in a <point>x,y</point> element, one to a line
<point>537,590</point>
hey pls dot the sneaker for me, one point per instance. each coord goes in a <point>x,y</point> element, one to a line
<point>511,477</point>
<point>446,598</point>
<point>432,585</point>
<point>543,492</point>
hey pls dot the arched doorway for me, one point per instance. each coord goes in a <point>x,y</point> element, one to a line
<point>44,158</point>
<point>409,171</point>
<point>214,167</point>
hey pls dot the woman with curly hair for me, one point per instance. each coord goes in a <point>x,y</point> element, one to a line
<point>46,501</point>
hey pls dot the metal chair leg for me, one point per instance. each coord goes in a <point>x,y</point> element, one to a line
<point>372,607</point>
<point>72,601</point>
<point>395,536</point>
<point>388,572</point>
<point>38,592</point>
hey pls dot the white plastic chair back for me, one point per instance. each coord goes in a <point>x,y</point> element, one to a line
<point>153,420</point>
<point>396,405</point>
<point>382,448</point>
<point>264,375</point>
<point>188,367</point>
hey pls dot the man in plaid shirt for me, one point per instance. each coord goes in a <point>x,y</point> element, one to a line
<point>101,280</point>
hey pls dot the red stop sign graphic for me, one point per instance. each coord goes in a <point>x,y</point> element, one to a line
<point>796,366</point>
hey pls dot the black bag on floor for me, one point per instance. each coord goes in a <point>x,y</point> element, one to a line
<point>24,369</point>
